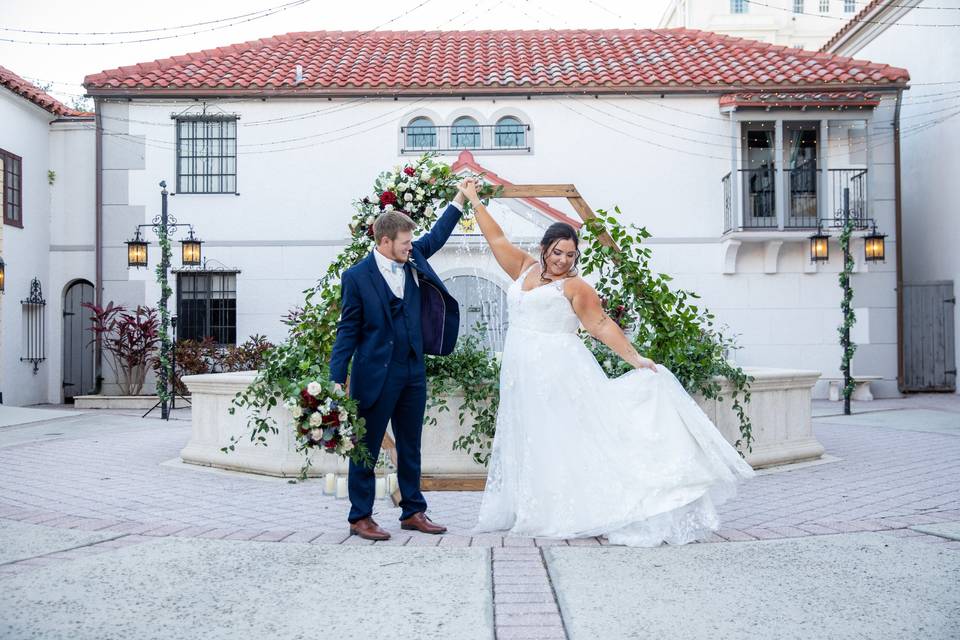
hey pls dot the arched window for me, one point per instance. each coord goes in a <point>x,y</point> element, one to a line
<point>465,133</point>
<point>421,134</point>
<point>483,309</point>
<point>509,133</point>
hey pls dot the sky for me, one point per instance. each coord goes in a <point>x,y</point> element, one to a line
<point>66,66</point>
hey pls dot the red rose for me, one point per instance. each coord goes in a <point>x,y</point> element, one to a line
<point>370,231</point>
<point>332,419</point>
<point>388,197</point>
<point>308,400</point>
<point>409,171</point>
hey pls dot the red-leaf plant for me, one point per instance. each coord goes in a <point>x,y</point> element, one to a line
<point>129,338</point>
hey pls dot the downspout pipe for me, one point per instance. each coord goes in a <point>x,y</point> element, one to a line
<point>98,243</point>
<point>898,229</point>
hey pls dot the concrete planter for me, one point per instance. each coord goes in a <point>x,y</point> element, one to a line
<point>779,409</point>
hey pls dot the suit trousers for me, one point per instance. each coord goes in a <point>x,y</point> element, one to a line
<point>401,403</point>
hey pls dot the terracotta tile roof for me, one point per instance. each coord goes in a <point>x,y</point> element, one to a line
<point>804,99</point>
<point>457,62</point>
<point>466,161</point>
<point>36,95</point>
<point>853,23</point>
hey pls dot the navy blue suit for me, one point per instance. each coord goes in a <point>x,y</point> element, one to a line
<point>386,337</point>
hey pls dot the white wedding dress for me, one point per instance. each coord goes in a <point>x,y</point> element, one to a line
<point>579,454</point>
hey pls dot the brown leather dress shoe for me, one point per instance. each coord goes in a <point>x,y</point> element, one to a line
<point>368,530</point>
<point>420,522</point>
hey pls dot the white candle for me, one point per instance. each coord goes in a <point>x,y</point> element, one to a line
<point>342,487</point>
<point>330,484</point>
<point>381,488</point>
<point>391,482</point>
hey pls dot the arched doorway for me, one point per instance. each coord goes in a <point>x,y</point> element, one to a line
<point>78,349</point>
<point>482,302</point>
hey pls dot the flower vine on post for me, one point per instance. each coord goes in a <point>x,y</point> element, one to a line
<point>849,317</point>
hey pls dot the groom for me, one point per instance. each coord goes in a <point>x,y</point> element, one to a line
<point>394,309</point>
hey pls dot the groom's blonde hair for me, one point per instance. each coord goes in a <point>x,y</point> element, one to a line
<point>389,223</point>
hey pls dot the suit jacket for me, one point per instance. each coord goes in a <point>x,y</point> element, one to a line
<point>366,327</point>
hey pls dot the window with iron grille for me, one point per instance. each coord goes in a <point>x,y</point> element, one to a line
<point>798,6</point>
<point>849,6</point>
<point>11,185</point>
<point>465,133</point>
<point>207,154</point>
<point>738,6</point>
<point>421,134</point>
<point>509,133</point>
<point>207,306</point>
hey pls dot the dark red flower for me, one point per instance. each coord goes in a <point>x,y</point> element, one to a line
<point>388,197</point>
<point>332,419</point>
<point>370,231</point>
<point>308,400</point>
<point>409,171</point>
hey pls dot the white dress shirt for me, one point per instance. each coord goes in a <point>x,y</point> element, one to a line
<point>393,272</point>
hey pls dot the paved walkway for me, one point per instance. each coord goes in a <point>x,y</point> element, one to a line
<point>102,498</point>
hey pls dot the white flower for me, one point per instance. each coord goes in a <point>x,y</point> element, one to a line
<point>607,364</point>
<point>316,419</point>
<point>343,415</point>
<point>391,186</point>
<point>371,219</point>
<point>420,192</point>
<point>296,411</point>
<point>316,435</point>
<point>429,210</point>
<point>408,197</point>
<point>346,445</point>
<point>389,207</point>
<point>408,207</point>
<point>314,388</point>
<point>338,391</point>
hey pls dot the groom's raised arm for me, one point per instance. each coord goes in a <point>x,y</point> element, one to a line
<point>438,235</point>
<point>348,329</point>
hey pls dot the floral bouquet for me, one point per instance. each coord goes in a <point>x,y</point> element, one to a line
<point>326,419</point>
<point>412,189</point>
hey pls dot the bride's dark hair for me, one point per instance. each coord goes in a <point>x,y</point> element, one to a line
<point>555,233</point>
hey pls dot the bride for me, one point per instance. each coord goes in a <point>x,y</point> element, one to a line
<point>577,454</point>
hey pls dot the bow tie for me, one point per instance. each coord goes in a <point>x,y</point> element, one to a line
<point>395,266</point>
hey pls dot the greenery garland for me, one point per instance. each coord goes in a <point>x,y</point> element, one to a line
<point>846,308</point>
<point>164,392</point>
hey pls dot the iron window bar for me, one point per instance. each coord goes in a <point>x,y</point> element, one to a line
<point>34,344</point>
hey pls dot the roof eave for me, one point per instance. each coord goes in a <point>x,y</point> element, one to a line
<point>516,91</point>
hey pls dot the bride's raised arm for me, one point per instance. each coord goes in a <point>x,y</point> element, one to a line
<point>586,304</point>
<point>510,257</point>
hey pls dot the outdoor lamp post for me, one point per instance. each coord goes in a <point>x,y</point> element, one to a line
<point>164,225</point>
<point>873,248</point>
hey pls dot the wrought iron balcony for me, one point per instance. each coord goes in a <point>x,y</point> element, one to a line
<point>807,196</point>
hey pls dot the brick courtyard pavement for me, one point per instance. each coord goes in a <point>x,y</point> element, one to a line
<point>118,474</point>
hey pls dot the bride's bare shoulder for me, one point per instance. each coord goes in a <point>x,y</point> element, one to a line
<point>575,285</point>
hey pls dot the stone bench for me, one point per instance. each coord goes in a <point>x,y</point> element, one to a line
<point>861,388</point>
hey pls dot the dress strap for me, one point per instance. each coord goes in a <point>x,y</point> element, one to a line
<point>525,272</point>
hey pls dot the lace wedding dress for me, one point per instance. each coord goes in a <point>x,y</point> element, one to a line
<point>579,454</point>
